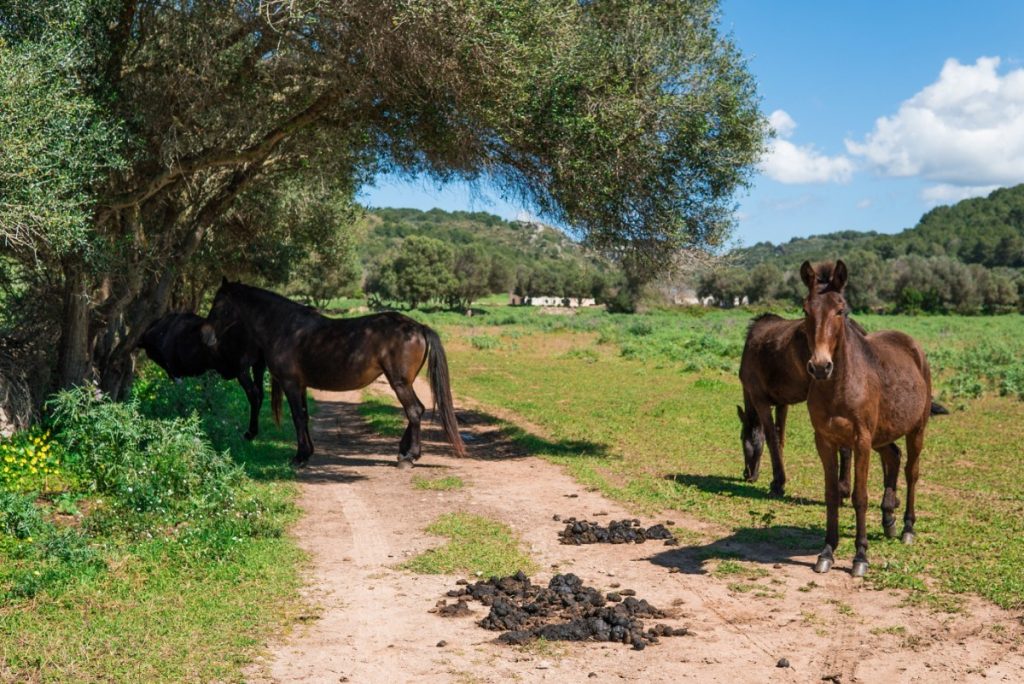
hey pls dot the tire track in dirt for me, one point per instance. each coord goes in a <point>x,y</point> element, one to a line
<point>362,517</point>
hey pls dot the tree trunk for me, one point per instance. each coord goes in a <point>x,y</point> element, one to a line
<point>74,361</point>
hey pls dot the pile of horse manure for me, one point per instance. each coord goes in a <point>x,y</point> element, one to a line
<point>565,610</point>
<point>618,532</point>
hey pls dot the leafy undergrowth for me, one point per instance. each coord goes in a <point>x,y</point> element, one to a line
<point>659,435</point>
<point>476,545</point>
<point>151,546</point>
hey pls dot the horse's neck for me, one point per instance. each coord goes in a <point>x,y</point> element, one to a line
<point>852,356</point>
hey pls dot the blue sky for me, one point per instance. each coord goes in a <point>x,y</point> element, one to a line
<point>883,109</point>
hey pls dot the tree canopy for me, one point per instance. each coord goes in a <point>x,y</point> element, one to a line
<point>632,122</point>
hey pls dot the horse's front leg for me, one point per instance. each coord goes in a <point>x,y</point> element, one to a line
<point>776,444</point>
<point>862,463</point>
<point>827,454</point>
<point>764,416</point>
<point>296,395</point>
<point>253,387</point>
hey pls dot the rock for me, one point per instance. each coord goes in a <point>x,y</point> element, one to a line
<point>442,643</point>
<point>783,662</point>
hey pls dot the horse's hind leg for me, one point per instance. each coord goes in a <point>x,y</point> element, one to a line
<point>915,442</point>
<point>845,463</point>
<point>861,464</point>
<point>409,447</point>
<point>891,472</point>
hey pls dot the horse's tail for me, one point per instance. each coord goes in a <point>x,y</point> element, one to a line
<point>440,387</point>
<point>938,409</point>
<point>275,399</point>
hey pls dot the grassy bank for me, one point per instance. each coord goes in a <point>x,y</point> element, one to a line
<point>153,548</point>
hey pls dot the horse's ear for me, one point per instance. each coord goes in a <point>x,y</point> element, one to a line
<point>807,275</point>
<point>839,276</point>
<point>743,416</point>
<point>223,281</point>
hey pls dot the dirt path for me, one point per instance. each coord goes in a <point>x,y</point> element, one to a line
<point>363,517</point>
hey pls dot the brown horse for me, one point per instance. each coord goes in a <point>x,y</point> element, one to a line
<point>867,392</point>
<point>303,349</point>
<point>773,371</point>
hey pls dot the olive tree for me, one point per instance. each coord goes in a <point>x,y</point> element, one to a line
<point>633,122</point>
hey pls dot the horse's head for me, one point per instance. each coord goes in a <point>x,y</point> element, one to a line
<point>223,316</point>
<point>825,315</point>
<point>752,437</point>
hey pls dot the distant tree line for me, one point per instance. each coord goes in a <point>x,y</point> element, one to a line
<point>966,258</point>
<point>424,270</point>
<point>907,284</point>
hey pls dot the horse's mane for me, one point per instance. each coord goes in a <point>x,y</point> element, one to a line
<point>265,298</point>
<point>762,317</point>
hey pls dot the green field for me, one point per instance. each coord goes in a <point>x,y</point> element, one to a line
<point>642,408</point>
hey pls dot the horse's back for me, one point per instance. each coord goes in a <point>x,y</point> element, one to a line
<point>905,379</point>
<point>774,356</point>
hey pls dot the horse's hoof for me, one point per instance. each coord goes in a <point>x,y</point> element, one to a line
<point>908,538</point>
<point>860,568</point>
<point>404,463</point>
<point>890,530</point>
<point>825,560</point>
<point>249,436</point>
<point>777,491</point>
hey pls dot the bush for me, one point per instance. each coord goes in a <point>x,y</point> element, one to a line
<point>146,464</point>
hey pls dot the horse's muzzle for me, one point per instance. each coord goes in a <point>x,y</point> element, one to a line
<point>820,371</point>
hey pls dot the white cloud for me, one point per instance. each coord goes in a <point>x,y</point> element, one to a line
<point>965,132</point>
<point>788,163</point>
<point>865,203</point>
<point>944,193</point>
<point>782,123</point>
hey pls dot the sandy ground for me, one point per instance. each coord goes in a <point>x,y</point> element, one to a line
<point>371,622</point>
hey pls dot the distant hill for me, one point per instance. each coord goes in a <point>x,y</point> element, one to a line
<point>983,230</point>
<point>519,243</point>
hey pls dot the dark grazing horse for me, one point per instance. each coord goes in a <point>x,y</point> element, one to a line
<point>773,370</point>
<point>174,342</point>
<point>304,349</point>
<point>867,391</point>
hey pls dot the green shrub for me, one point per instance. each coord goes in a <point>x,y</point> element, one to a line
<point>146,464</point>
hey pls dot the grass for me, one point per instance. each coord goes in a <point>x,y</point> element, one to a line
<point>438,484</point>
<point>382,414</point>
<point>476,545</point>
<point>643,409</point>
<point>148,589</point>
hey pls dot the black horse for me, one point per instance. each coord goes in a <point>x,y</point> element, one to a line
<point>175,343</point>
<point>303,349</point>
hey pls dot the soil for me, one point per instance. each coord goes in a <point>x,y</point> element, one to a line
<point>375,623</point>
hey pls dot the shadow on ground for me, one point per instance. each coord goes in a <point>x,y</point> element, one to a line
<point>486,436</point>
<point>734,486</point>
<point>775,544</point>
